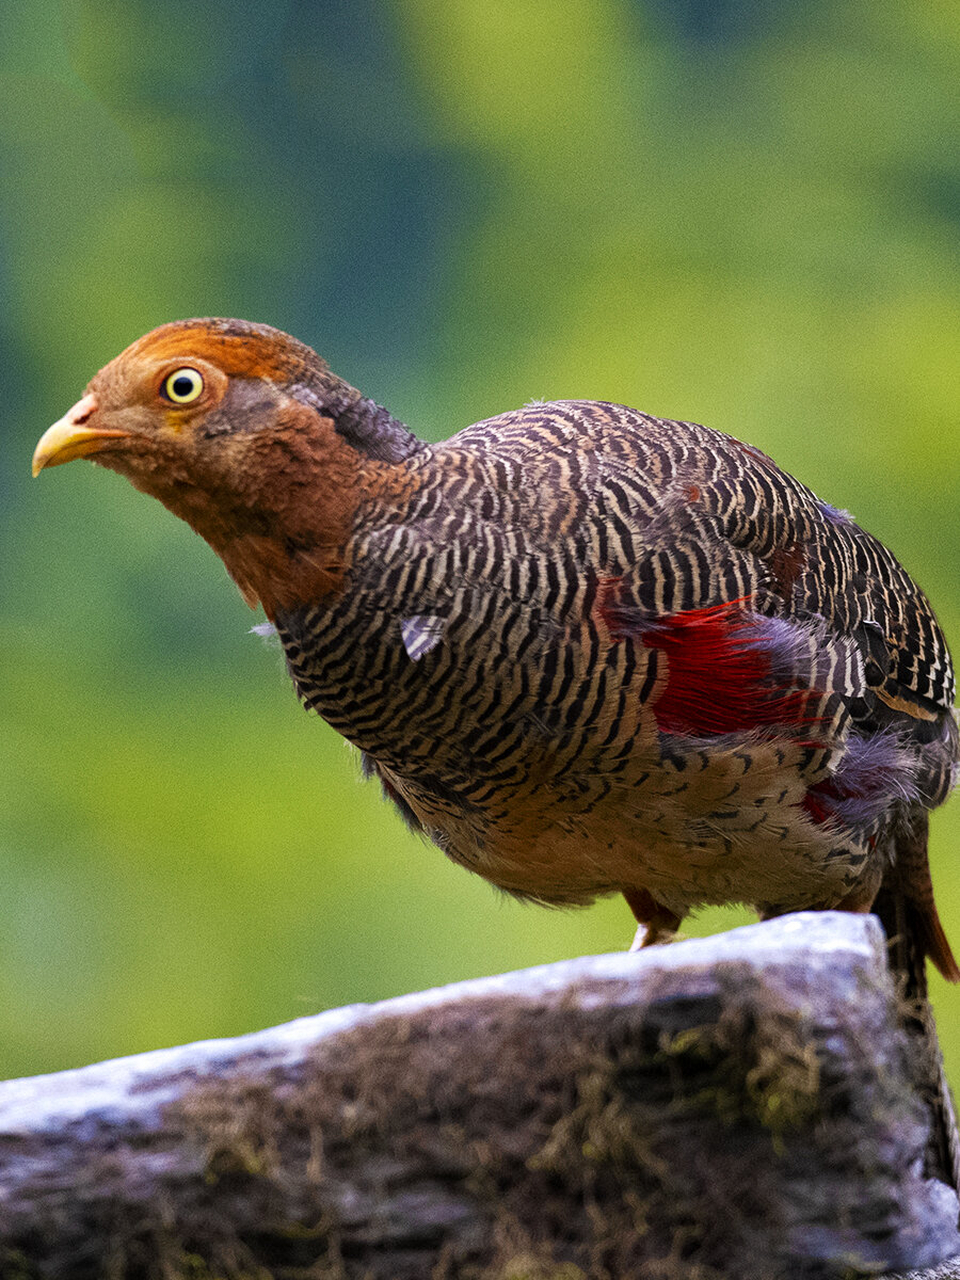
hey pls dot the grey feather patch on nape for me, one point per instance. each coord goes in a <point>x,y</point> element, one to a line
<point>420,633</point>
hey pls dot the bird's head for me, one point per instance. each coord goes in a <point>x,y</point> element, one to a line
<point>238,429</point>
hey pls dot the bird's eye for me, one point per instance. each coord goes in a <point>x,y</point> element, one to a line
<point>183,386</point>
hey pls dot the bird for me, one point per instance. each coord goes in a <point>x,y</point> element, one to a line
<point>585,650</point>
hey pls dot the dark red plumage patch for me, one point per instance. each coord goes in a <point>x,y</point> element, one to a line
<point>758,455</point>
<point>719,674</point>
<point>618,613</point>
<point>786,564</point>
<point>875,772</point>
<point>824,802</point>
<point>819,802</point>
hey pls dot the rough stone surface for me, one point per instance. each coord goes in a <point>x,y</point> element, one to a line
<point>733,1107</point>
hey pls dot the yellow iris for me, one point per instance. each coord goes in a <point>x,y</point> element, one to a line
<point>183,386</point>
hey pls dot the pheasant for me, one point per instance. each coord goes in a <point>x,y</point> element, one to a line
<point>585,650</point>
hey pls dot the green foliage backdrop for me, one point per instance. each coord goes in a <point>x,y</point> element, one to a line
<point>747,215</point>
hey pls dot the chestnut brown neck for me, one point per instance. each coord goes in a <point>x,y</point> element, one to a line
<point>280,506</point>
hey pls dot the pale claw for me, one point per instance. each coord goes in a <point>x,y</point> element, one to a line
<point>649,935</point>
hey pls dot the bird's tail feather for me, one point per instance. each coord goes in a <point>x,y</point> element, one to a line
<point>914,932</point>
<point>910,876</point>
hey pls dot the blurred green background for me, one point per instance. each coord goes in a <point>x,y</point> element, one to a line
<point>744,214</point>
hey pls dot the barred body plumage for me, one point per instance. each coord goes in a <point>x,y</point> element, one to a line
<point>585,650</point>
<point>659,664</point>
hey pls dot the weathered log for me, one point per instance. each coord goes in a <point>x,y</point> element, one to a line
<point>734,1107</point>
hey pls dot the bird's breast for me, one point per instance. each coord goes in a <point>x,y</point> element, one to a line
<point>477,683</point>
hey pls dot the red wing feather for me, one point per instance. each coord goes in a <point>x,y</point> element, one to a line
<point>719,674</point>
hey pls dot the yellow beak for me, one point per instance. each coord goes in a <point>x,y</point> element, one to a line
<point>70,438</point>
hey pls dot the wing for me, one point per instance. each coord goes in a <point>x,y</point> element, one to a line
<point>772,607</point>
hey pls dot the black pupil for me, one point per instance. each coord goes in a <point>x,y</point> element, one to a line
<point>182,385</point>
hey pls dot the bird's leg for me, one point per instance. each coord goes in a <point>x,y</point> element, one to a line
<point>655,923</point>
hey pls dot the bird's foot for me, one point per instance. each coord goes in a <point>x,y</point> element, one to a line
<point>652,935</point>
<point>655,922</point>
